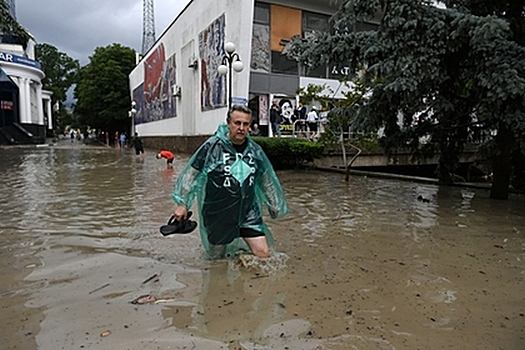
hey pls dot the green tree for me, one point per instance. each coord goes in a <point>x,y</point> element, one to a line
<point>508,147</point>
<point>60,70</point>
<point>10,30</point>
<point>102,92</point>
<point>60,74</point>
<point>457,71</point>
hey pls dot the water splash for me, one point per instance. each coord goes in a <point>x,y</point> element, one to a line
<point>269,266</point>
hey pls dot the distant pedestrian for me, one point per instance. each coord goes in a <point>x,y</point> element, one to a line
<point>275,118</point>
<point>300,113</point>
<point>137,144</point>
<point>169,156</point>
<point>122,140</point>
<point>311,119</point>
<point>255,131</point>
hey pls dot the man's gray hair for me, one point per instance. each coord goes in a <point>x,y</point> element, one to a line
<point>238,108</point>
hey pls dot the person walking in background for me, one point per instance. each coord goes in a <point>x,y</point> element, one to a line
<point>311,119</point>
<point>169,156</point>
<point>233,181</point>
<point>275,118</point>
<point>301,120</point>
<point>122,140</point>
<point>137,144</point>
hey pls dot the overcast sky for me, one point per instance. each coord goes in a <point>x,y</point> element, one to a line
<point>77,27</point>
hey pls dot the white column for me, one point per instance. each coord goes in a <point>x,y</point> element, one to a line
<point>27,101</point>
<point>39,104</point>
<point>21,101</point>
<point>49,111</point>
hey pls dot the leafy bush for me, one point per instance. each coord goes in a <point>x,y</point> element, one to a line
<point>287,153</point>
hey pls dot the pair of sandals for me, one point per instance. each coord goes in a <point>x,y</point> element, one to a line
<point>178,226</point>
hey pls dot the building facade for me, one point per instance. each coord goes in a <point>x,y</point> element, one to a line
<point>25,109</point>
<point>177,89</point>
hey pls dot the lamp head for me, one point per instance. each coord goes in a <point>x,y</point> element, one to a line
<point>223,70</point>
<point>238,66</point>
<point>229,47</point>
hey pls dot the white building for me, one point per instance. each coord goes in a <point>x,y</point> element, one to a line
<point>25,109</point>
<point>177,88</point>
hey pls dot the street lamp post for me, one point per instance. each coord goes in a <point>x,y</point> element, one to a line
<point>231,60</point>
<point>132,113</point>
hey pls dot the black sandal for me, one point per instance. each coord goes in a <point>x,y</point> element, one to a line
<point>176,226</point>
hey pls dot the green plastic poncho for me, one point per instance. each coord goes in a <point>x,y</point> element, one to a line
<point>231,189</point>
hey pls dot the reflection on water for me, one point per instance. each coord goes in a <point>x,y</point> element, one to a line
<point>358,253</point>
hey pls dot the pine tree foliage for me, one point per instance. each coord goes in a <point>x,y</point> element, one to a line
<point>460,70</point>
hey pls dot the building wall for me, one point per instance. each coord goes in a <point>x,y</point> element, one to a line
<point>259,45</point>
<point>179,47</point>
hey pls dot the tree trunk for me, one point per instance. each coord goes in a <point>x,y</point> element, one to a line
<point>501,167</point>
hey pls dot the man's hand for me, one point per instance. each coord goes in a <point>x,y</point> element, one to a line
<point>180,213</point>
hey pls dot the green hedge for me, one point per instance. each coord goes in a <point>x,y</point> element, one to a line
<point>288,152</point>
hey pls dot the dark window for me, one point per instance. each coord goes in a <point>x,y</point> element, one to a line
<point>261,13</point>
<point>319,72</point>
<point>284,65</point>
<point>315,21</point>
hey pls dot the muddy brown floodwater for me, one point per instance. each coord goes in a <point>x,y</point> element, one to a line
<point>358,265</point>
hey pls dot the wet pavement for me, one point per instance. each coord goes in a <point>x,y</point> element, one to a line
<point>368,264</point>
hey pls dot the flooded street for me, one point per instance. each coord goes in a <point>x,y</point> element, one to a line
<point>370,264</point>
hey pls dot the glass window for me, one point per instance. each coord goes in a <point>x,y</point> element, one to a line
<point>261,13</point>
<point>315,21</point>
<point>319,72</point>
<point>284,65</point>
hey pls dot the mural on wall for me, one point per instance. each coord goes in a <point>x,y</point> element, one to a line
<point>288,116</point>
<point>138,97</point>
<point>287,110</point>
<point>260,48</point>
<point>154,98</point>
<point>169,99</point>
<point>211,51</point>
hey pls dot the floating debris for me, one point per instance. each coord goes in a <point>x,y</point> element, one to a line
<point>99,288</point>
<point>149,279</point>
<point>144,299</point>
<point>150,299</point>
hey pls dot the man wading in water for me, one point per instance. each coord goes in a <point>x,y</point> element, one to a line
<point>232,178</point>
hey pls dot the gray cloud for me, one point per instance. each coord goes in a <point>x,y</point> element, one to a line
<point>77,27</point>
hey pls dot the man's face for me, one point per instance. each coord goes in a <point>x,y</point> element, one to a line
<point>239,125</point>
